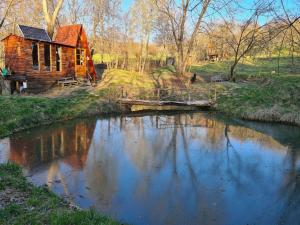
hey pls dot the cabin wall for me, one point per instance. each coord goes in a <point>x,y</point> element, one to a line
<point>81,70</point>
<point>18,56</point>
<point>13,54</point>
<point>83,43</point>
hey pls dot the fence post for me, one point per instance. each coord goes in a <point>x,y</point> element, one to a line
<point>215,94</point>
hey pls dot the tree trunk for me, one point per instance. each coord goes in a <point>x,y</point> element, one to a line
<point>5,13</point>
<point>232,71</point>
<point>180,65</point>
<point>50,29</point>
<point>51,19</point>
<point>146,54</point>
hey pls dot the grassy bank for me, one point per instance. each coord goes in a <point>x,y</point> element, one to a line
<point>22,203</point>
<point>23,112</point>
<point>263,96</point>
<point>275,99</point>
<point>259,94</point>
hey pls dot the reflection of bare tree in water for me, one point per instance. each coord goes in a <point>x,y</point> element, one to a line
<point>187,156</point>
<point>235,165</point>
<point>190,178</point>
<point>291,191</point>
<point>228,142</point>
<point>178,127</point>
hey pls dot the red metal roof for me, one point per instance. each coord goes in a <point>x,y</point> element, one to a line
<point>68,35</point>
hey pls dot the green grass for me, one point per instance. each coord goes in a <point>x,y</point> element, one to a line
<point>273,99</point>
<point>247,68</point>
<point>22,112</point>
<point>117,77</point>
<point>268,97</point>
<point>37,205</point>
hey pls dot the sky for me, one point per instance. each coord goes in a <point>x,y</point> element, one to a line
<point>126,4</point>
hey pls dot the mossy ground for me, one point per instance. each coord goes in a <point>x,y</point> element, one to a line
<point>24,203</point>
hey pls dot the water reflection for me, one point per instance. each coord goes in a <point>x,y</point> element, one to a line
<point>176,169</point>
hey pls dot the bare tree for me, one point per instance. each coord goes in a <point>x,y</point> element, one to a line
<point>291,32</point>
<point>6,11</point>
<point>178,17</point>
<point>247,34</point>
<point>142,19</point>
<point>74,11</point>
<point>51,18</point>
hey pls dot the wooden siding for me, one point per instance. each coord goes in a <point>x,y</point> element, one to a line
<point>81,70</point>
<point>83,43</point>
<point>89,65</point>
<point>18,56</point>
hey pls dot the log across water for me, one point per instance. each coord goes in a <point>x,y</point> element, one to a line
<point>140,105</point>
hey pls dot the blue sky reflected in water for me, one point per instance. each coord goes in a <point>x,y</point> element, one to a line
<point>177,169</point>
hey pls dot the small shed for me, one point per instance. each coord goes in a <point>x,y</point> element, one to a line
<point>41,62</point>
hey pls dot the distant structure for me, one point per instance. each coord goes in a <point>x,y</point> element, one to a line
<point>37,62</point>
<point>211,53</point>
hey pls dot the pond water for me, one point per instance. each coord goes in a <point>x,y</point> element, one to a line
<point>180,169</point>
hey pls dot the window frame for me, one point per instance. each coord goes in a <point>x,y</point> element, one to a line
<point>58,52</point>
<point>35,66</point>
<point>81,55</point>
<point>47,67</point>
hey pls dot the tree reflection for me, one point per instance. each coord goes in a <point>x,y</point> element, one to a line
<point>167,168</point>
<point>290,191</point>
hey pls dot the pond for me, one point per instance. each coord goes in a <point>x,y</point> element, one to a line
<point>185,169</point>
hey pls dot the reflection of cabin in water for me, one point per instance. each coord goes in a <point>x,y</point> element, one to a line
<point>40,62</point>
<point>70,143</point>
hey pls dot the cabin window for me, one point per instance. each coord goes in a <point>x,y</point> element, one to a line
<point>35,56</point>
<point>47,56</point>
<point>58,58</point>
<point>80,57</point>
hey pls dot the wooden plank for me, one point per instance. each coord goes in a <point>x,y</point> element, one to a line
<point>137,108</point>
<point>67,82</point>
<point>200,103</point>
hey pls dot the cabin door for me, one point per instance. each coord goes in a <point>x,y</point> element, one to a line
<point>80,62</point>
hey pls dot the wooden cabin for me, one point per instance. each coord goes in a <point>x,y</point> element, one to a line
<point>39,61</point>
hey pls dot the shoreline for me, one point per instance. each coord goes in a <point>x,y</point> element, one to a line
<point>21,202</point>
<point>117,110</point>
<point>263,119</point>
<point>274,100</point>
